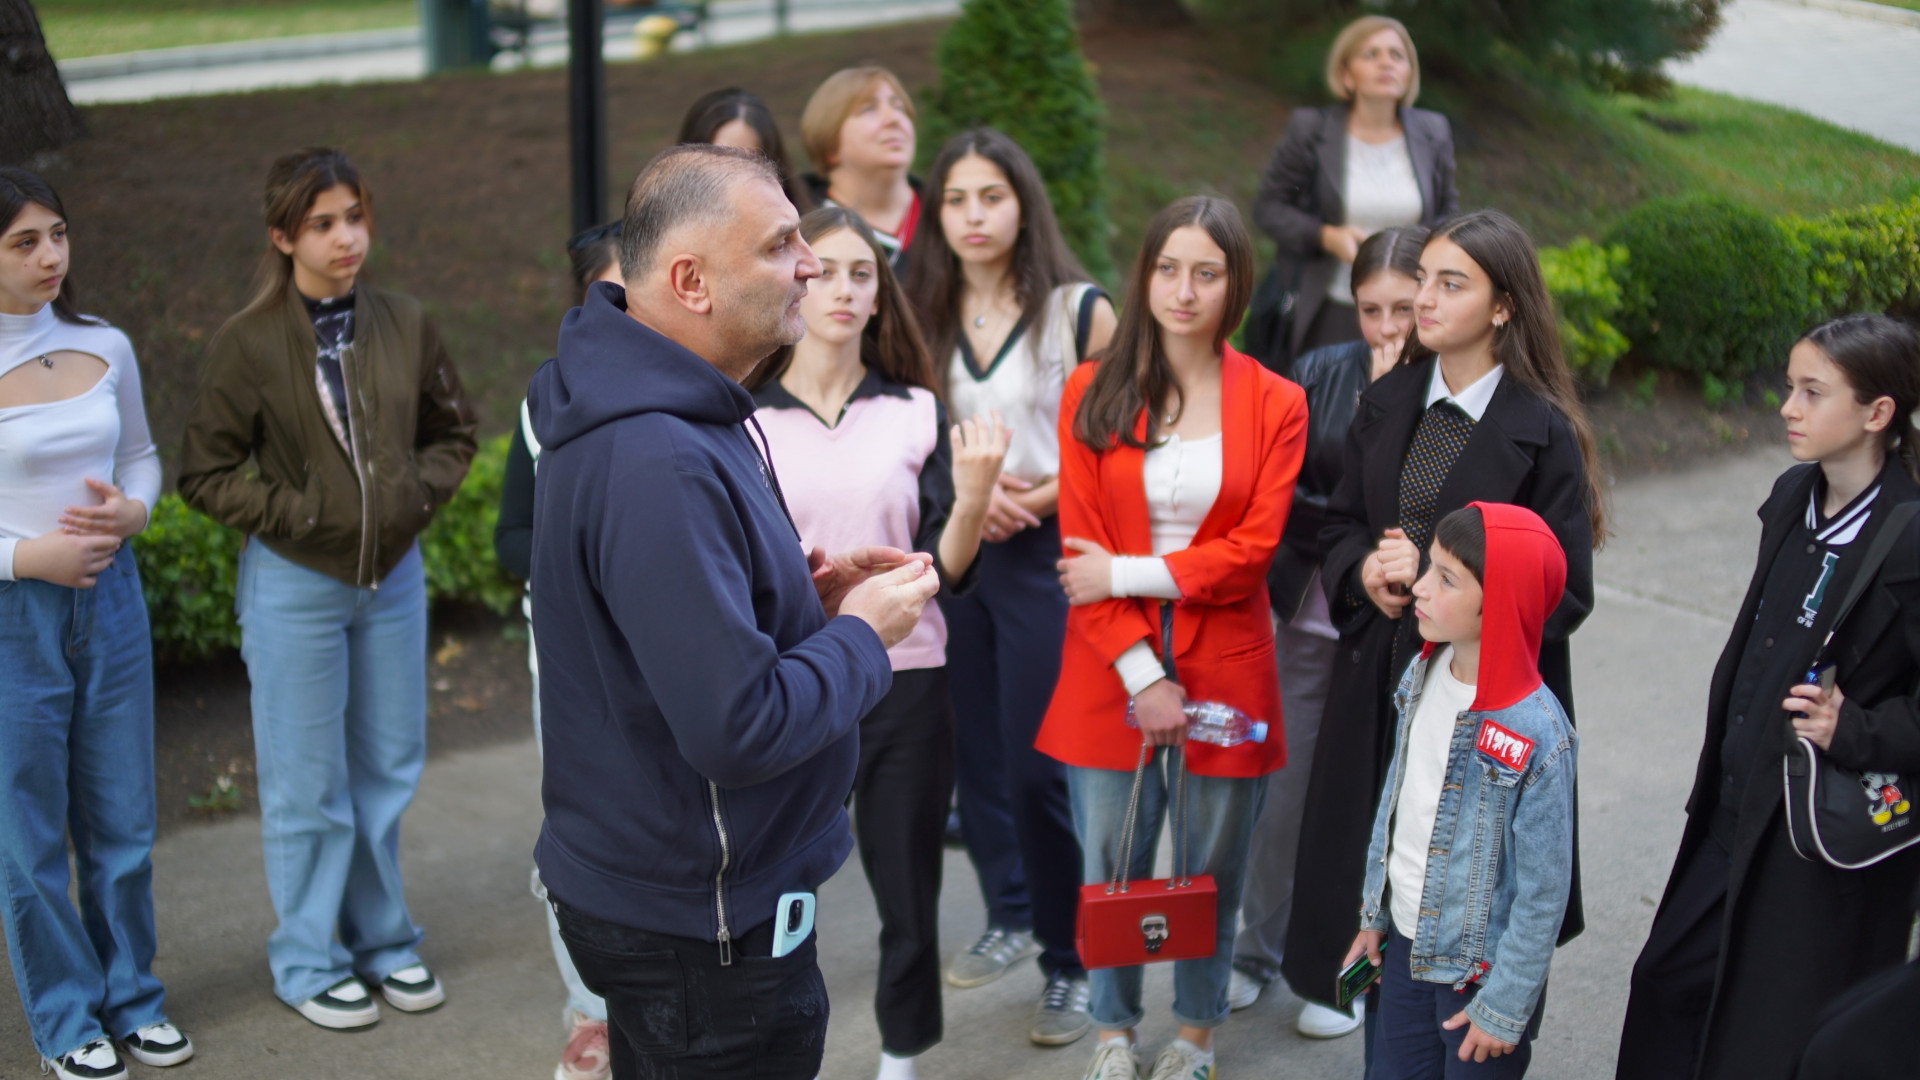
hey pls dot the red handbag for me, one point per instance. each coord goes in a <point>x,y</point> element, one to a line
<point>1124,924</point>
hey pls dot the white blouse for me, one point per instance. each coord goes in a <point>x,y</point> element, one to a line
<point>1380,192</point>
<point>1182,480</point>
<point>48,451</point>
<point>1024,383</point>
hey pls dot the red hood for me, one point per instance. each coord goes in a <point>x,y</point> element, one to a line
<point>1524,574</point>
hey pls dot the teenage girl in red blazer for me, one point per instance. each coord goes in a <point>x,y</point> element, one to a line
<point>1177,463</point>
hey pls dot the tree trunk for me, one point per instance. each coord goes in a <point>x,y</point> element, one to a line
<point>38,115</point>
<point>1131,12</point>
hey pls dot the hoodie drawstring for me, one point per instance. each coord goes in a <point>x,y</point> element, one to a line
<point>773,477</point>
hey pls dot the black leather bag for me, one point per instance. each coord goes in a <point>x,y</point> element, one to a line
<point>1845,818</point>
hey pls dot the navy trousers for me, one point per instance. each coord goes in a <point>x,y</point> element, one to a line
<point>1410,1044</point>
<point>1003,657</point>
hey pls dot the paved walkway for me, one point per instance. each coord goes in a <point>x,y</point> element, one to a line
<point>1669,583</point>
<point>397,55</point>
<point>1846,63</point>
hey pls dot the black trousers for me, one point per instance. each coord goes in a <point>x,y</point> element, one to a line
<point>900,798</point>
<point>1672,984</point>
<point>674,1013</point>
<point>1003,656</point>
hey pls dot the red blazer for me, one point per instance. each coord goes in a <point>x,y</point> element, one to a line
<point>1222,634</point>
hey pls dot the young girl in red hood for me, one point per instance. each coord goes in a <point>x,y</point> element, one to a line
<point>1472,854</point>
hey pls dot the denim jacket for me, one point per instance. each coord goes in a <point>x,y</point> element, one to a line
<point>1500,864</point>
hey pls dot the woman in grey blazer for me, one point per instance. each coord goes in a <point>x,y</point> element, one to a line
<point>1347,171</point>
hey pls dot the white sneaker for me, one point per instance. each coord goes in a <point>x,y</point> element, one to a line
<point>1320,1022</point>
<point>158,1045</point>
<point>412,989</point>
<point>95,1061</point>
<point>1115,1059</point>
<point>1242,990</point>
<point>342,1006</point>
<point>1181,1060</point>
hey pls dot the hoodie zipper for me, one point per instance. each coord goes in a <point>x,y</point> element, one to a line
<point>720,877</point>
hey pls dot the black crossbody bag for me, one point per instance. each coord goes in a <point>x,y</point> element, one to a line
<point>1845,818</point>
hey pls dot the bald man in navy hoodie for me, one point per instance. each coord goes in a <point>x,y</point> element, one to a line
<point>702,678</point>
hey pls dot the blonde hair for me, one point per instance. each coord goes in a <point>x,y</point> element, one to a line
<point>827,110</point>
<point>1349,42</point>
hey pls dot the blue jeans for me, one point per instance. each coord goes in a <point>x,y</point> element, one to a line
<point>1220,815</point>
<point>339,679</point>
<point>76,760</point>
<point>1408,1041</point>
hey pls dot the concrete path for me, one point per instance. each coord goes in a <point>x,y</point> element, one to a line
<point>1845,61</point>
<point>397,55</point>
<point>1669,583</point>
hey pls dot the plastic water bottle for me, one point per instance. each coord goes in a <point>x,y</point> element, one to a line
<point>1215,723</point>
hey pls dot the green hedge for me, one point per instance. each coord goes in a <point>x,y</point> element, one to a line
<point>1016,65</point>
<point>1719,291</point>
<point>188,563</point>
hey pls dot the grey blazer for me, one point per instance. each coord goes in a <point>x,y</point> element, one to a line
<point>1301,191</point>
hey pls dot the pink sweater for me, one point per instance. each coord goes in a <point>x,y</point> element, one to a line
<point>881,475</point>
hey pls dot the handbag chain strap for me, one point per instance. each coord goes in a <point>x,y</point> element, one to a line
<point>1177,816</point>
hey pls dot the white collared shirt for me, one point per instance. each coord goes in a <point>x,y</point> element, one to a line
<point>1474,399</point>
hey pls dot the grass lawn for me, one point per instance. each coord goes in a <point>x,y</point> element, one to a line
<point>470,180</point>
<point>92,27</point>
<point>1910,5</point>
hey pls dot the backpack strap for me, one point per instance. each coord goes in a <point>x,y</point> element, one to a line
<point>1083,322</point>
<point>1877,553</point>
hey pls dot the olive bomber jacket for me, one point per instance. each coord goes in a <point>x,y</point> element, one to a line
<point>348,511</point>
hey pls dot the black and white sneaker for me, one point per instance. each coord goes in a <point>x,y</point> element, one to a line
<point>95,1061</point>
<point>343,1006</point>
<point>412,989</point>
<point>158,1045</point>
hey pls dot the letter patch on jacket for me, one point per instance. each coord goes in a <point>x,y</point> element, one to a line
<point>1504,746</point>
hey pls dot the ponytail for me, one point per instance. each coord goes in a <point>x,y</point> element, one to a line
<point>1880,357</point>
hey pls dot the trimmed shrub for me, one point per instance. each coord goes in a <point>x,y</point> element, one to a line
<point>1863,259</point>
<point>189,563</point>
<point>1016,65</point>
<point>458,545</point>
<point>1583,278</point>
<point>1710,287</point>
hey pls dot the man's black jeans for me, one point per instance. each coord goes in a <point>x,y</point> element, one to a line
<point>674,1013</point>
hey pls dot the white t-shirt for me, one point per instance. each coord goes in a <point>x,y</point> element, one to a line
<point>1429,742</point>
<point>1380,192</point>
<point>49,451</point>
<point>1024,383</point>
<point>1182,480</point>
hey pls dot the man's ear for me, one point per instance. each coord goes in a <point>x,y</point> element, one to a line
<point>687,278</point>
<point>280,241</point>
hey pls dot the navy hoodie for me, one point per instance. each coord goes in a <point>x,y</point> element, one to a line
<point>700,711</point>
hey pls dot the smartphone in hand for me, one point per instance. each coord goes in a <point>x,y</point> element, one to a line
<point>1354,981</point>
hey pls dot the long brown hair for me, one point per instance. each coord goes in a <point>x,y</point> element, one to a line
<point>1042,261</point>
<point>293,183</point>
<point>1396,250</point>
<point>719,108</point>
<point>1528,343</point>
<point>891,344</point>
<point>1134,372</point>
<point>20,189</point>
<point>1880,356</point>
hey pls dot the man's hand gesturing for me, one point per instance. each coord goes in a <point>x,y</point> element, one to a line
<point>835,575</point>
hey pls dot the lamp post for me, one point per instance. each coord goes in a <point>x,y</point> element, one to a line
<point>586,112</point>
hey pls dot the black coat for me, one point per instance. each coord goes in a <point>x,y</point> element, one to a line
<point>1800,933</point>
<point>1523,451</point>
<point>1301,190</point>
<point>1333,378</point>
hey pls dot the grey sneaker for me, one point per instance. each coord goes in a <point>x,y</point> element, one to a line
<point>1061,1016</point>
<point>1115,1059</point>
<point>1182,1060</point>
<point>990,957</point>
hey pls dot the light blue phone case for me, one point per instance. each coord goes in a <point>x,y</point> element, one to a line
<point>792,921</point>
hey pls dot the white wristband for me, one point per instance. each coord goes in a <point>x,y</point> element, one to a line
<point>1140,575</point>
<point>1138,668</point>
